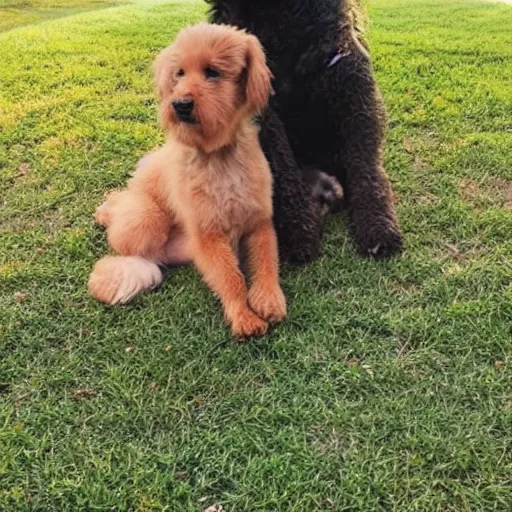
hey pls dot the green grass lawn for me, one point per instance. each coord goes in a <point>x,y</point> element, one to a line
<point>389,387</point>
<point>16,13</point>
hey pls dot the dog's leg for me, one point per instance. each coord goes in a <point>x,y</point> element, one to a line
<point>297,217</point>
<point>136,225</point>
<point>142,236</point>
<point>358,159</point>
<point>372,218</point>
<point>342,132</point>
<point>216,261</point>
<point>373,221</point>
<point>265,295</point>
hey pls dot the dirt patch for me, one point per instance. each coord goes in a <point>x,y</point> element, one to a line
<point>49,222</point>
<point>496,193</point>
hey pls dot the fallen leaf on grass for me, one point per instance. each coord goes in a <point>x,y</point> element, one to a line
<point>23,169</point>
<point>20,296</point>
<point>455,252</point>
<point>214,508</point>
<point>20,398</point>
<point>402,349</point>
<point>368,369</point>
<point>327,503</point>
<point>499,365</point>
<point>80,394</point>
<point>198,401</point>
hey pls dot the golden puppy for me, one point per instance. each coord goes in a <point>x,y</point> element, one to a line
<point>207,190</point>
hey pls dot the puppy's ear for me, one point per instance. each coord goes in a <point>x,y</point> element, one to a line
<point>259,77</point>
<point>162,71</point>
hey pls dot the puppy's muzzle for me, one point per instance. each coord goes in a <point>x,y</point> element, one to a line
<point>184,110</point>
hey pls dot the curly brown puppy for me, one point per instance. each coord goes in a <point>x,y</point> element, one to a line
<point>208,189</point>
<point>327,109</point>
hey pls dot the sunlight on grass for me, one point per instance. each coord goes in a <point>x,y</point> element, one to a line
<point>16,13</point>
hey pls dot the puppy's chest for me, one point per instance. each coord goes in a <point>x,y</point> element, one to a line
<point>229,199</point>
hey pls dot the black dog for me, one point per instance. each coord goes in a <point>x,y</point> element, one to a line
<point>328,110</point>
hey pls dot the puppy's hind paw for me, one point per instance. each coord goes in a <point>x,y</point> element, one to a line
<point>102,214</point>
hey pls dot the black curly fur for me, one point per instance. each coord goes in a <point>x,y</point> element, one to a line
<point>297,215</point>
<point>333,118</point>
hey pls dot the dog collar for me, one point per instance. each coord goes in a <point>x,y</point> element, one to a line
<point>337,57</point>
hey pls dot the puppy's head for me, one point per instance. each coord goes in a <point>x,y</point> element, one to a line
<point>207,81</point>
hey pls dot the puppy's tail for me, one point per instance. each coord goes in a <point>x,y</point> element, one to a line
<point>118,279</point>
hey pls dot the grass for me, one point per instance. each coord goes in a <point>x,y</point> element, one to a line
<point>389,386</point>
<point>16,13</point>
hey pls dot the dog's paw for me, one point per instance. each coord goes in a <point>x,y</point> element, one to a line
<point>300,235</point>
<point>302,250</point>
<point>248,325</point>
<point>380,240</point>
<point>326,190</point>
<point>328,193</point>
<point>268,302</point>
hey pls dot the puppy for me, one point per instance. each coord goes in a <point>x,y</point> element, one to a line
<point>207,190</point>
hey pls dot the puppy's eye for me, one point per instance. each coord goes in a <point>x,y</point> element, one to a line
<point>180,73</point>
<point>211,73</point>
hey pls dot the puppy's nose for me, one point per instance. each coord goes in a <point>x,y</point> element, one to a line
<point>184,109</point>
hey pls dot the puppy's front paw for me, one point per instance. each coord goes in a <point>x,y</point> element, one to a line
<point>268,302</point>
<point>247,325</point>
